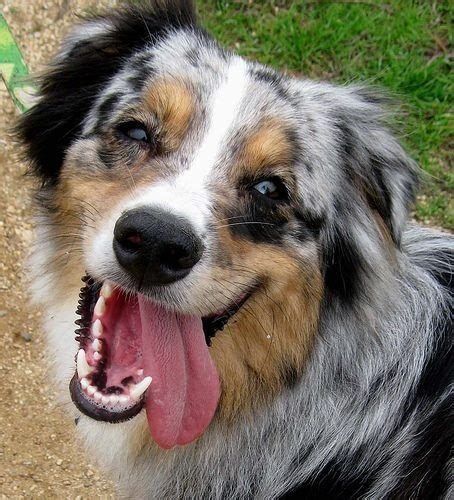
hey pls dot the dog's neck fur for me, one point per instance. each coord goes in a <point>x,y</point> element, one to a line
<point>349,409</point>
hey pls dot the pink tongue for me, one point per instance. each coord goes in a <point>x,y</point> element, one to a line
<point>184,393</point>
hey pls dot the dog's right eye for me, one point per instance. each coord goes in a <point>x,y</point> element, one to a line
<point>135,131</point>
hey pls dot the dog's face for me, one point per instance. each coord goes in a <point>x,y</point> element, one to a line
<point>215,206</point>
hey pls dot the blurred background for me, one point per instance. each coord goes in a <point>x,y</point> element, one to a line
<point>403,46</point>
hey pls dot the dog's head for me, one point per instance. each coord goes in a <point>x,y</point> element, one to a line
<point>218,208</point>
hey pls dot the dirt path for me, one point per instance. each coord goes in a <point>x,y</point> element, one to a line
<point>38,455</point>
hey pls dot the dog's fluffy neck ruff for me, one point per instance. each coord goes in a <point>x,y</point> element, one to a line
<point>347,409</point>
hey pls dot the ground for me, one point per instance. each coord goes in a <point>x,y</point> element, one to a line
<point>38,453</point>
<point>401,45</point>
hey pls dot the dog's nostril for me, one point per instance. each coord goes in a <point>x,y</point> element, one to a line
<point>180,257</point>
<point>132,241</point>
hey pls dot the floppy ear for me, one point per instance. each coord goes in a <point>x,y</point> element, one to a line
<point>89,57</point>
<point>374,161</point>
<point>378,181</point>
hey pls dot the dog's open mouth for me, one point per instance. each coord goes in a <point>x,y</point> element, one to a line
<point>135,353</point>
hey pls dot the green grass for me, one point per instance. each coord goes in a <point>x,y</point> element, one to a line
<point>401,45</point>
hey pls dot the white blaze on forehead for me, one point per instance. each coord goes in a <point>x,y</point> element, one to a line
<point>223,110</point>
<point>186,194</point>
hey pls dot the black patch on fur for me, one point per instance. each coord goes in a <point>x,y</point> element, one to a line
<point>339,479</point>
<point>343,265</point>
<point>327,488</point>
<point>290,375</point>
<point>258,224</point>
<point>141,71</point>
<point>310,224</point>
<point>104,111</point>
<point>138,81</point>
<point>70,87</point>
<point>424,474</point>
<point>439,370</point>
<point>274,80</point>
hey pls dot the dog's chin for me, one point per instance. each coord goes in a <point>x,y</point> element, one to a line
<point>136,353</point>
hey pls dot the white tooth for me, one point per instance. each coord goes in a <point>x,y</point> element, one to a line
<point>97,328</point>
<point>98,396</point>
<point>91,390</point>
<point>106,290</point>
<point>139,372</point>
<point>137,390</point>
<point>96,344</point>
<point>123,399</point>
<point>84,383</point>
<point>100,306</point>
<point>97,356</point>
<point>83,368</point>
<point>105,400</point>
<point>114,399</point>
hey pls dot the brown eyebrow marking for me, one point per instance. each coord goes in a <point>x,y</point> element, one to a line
<point>172,103</point>
<point>269,146</point>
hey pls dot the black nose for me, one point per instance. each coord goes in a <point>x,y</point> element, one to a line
<point>155,247</point>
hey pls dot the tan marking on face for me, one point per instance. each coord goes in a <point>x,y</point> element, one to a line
<point>267,147</point>
<point>84,199</point>
<point>173,105</point>
<point>269,339</point>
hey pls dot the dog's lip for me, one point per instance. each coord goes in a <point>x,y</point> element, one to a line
<point>96,412</point>
<point>216,322</point>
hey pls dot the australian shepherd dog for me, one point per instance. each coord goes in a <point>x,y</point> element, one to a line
<point>254,316</point>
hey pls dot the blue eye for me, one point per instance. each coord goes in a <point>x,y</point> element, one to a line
<point>267,188</point>
<point>135,131</point>
<point>271,188</point>
<point>138,134</point>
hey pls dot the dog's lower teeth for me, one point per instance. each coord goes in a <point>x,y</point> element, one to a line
<point>83,368</point>
<point>97,392</point>
<point>91,390</point>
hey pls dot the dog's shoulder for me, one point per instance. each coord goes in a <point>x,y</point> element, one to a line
<point>425,419</point>
<point>433,251</point>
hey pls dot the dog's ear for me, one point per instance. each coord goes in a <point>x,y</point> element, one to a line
<point>89,57</point>
<point>374,162</point>
<point>373,192</point>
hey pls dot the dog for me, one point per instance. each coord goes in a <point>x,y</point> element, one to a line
<point>255,317</point>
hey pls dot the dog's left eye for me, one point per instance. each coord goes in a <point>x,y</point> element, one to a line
<point>273,189</point>
<point>136,132</point>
